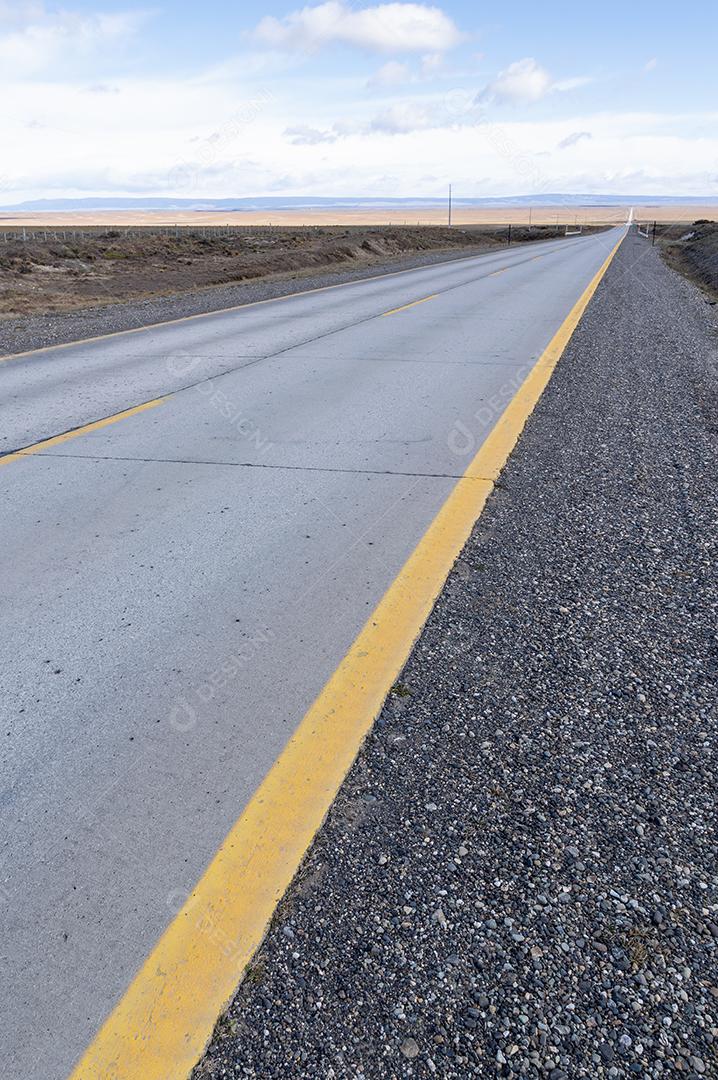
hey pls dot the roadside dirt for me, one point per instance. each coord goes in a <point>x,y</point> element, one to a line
<point>44,276</point>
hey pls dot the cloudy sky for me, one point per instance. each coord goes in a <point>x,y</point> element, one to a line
<point>344,98</point>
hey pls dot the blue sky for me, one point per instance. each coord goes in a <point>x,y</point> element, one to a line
<point>335,98</point>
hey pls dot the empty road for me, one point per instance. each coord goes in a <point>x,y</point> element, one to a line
<point>180,582</point>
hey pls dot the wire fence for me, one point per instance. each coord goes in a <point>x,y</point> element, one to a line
<point>13,234</point>
<point>23,234</point>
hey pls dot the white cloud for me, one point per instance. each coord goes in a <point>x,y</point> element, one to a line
<point>393,73</point>
<point>144,140</point>
<point>403,117</point>
<point>32,38</point>
<point>19,13</point>
<point>431,64</point>
<point>573,138</point>
<point>309,136</point>
<point>393,27</point>
<point>396,73</point>
<point>651,64</point>
<point>571,84</point>
<point>525,82</point>
<point>522,82</point>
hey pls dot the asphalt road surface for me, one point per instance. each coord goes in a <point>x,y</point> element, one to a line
<point>180,584</point>
<point>517,879</point>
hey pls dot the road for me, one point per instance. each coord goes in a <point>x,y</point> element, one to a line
<point>183,580</point>
<point>553,906</point>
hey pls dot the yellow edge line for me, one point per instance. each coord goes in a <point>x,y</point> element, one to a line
<point>56,440</point>
<point>162,1024</point>
<point>502,271</point>
<point>250,304</point>
<point>412,304</point>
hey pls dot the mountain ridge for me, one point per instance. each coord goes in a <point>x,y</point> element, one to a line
<point>112,202</point>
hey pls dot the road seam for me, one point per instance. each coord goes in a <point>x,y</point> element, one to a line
<point>85,429</point>
<point>162,1024</point>
<point>260,465</point>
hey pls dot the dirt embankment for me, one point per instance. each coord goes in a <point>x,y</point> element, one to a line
<point>694,252</point>
<point>80,270</point>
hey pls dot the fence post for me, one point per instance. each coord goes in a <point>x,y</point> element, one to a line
<point>509,236</point>
<point>653,236</point>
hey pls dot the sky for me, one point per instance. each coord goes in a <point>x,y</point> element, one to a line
<point>218,100</point>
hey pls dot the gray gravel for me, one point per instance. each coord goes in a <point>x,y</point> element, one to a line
<point>518,877</point>
<point>19,333</point>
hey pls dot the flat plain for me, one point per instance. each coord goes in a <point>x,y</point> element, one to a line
<point>498,215</point>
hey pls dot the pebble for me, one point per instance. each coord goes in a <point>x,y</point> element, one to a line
<point>410,1048</point>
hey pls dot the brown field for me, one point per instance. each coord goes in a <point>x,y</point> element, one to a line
<point>594,215</point>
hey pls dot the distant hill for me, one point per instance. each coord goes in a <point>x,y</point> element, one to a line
<point>119,202</point>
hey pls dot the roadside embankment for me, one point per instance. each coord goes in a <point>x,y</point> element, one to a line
<point>693,250</point>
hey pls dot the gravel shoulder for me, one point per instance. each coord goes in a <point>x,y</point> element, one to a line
<point>518,876</point>
<point>22,332</point>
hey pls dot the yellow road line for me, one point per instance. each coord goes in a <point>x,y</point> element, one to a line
<point>412,304</point>
<point>502,271</point>
<point>161,1026</point>
<point>56,440</point>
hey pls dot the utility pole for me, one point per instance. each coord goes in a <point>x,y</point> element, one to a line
<point>449,205</point>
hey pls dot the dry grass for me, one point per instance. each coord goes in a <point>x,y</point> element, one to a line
<point>598,215</point>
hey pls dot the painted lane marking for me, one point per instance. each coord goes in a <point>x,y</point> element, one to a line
<point>57,440</point>
<point>162,1024</point>
<point>412,304</point>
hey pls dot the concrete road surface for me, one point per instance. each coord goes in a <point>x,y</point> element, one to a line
<point>180,584</point>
